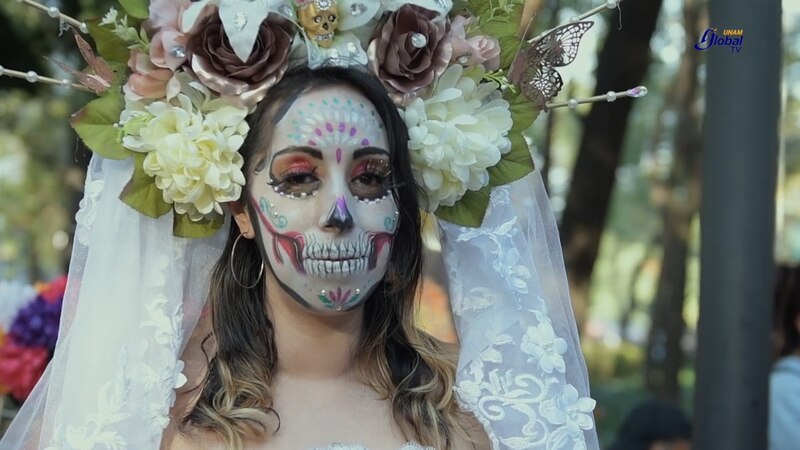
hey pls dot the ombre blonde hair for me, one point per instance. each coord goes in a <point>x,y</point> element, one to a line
<point>408,367</point>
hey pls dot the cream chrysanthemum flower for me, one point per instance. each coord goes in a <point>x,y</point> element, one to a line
<point>456,134</point>
<point>192,141</point>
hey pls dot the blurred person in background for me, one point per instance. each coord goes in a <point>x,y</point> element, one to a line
<point>655,425</point>
<point>784,397</point>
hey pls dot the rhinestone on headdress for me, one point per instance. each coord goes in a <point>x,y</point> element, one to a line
<point>356,9</point>
<point>178,51</point>
<point>240,20</point>
<point>638,91</point>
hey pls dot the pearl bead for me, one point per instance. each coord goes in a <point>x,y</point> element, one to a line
<point>611,96</point>
<point>32,76</point>
<point>572,103</point>
<point>52,12</point>
<point>419,40</point>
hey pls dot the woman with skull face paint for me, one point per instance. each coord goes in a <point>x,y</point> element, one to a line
<point>314,297</point>
<point>305,334</point>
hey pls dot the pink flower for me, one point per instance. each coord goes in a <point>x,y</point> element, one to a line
<point>54,290</point>
<point>168,44</point>
<point>20,368</point>
<point>475,49</point>
<point>147,80</point>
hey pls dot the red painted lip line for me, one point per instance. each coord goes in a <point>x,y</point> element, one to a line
<point>352,258</point>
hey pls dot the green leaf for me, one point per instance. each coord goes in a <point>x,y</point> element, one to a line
<point>500,27</point>
<point>479,8</point>
<point>182,226</point>
<point>523,112</point>
<point>136,8</point>
<point>513,165</point>
<point>508,50</point>
<point>110,46</point>
<point>141,192</point>
<point>95,126</point>
<point>468,211</point>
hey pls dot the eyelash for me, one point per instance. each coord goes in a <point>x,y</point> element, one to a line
<point>282,187</point>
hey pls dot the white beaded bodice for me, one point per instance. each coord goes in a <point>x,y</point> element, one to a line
<point>338,446</point>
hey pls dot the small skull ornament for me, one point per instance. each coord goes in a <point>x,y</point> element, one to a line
<point>320,19</point>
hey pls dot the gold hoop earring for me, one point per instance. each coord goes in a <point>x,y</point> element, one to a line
<point>233,272</point>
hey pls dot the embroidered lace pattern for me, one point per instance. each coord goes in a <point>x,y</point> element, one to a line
<point>516,368</point>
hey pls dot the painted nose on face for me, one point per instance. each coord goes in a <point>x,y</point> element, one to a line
<point>339,216</point>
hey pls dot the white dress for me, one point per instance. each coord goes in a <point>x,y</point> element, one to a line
<point>337,446</point>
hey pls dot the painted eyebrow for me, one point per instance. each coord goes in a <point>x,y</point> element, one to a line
<point>366,151</point>
<point>314,153</point>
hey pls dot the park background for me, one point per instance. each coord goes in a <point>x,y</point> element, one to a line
<point>624,180</point>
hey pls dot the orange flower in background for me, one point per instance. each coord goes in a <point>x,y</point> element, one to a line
<point>434,315</point>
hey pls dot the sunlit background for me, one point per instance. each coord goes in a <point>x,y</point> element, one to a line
<point>647,251</point>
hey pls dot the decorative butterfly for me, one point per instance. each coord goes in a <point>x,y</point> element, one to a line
<point>533,69</point>
<point>98,77</point>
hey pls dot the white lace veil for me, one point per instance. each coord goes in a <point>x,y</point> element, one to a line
<point>135,293</point>
<point>520,370</point>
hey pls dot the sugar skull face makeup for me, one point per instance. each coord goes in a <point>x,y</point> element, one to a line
<point>322,196</point>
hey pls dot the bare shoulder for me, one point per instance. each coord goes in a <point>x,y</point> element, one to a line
<point>181,442</point>
<point>193,440</point>
<point>478,440</point>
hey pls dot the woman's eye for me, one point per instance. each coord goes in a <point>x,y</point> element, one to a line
<point>371,180</point>
<point>301,178</point>
<point>298,184</point>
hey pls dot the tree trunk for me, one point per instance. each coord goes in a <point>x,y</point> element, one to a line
<point>665,356</point>
<point>622,64</point>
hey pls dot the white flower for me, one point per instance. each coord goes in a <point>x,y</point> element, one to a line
<point>569,410</point>
<point>192,142</point>
<point>516,274</point>
<point>542,343</point>
<point>110,18</point>
<point>455,135</point>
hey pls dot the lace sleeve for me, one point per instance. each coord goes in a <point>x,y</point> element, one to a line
<point>521,371</point>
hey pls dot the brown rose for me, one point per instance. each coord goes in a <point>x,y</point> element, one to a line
<point>408,50</point>
<point>216,65</point>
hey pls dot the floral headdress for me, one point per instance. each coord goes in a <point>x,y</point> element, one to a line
<point>176,80</point>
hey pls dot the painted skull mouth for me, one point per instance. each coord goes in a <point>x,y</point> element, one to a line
<point>328,258</point>
<point>324,37</point>
<point>338,250</point>
<point>335,268</point>
<point>332,258</point>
